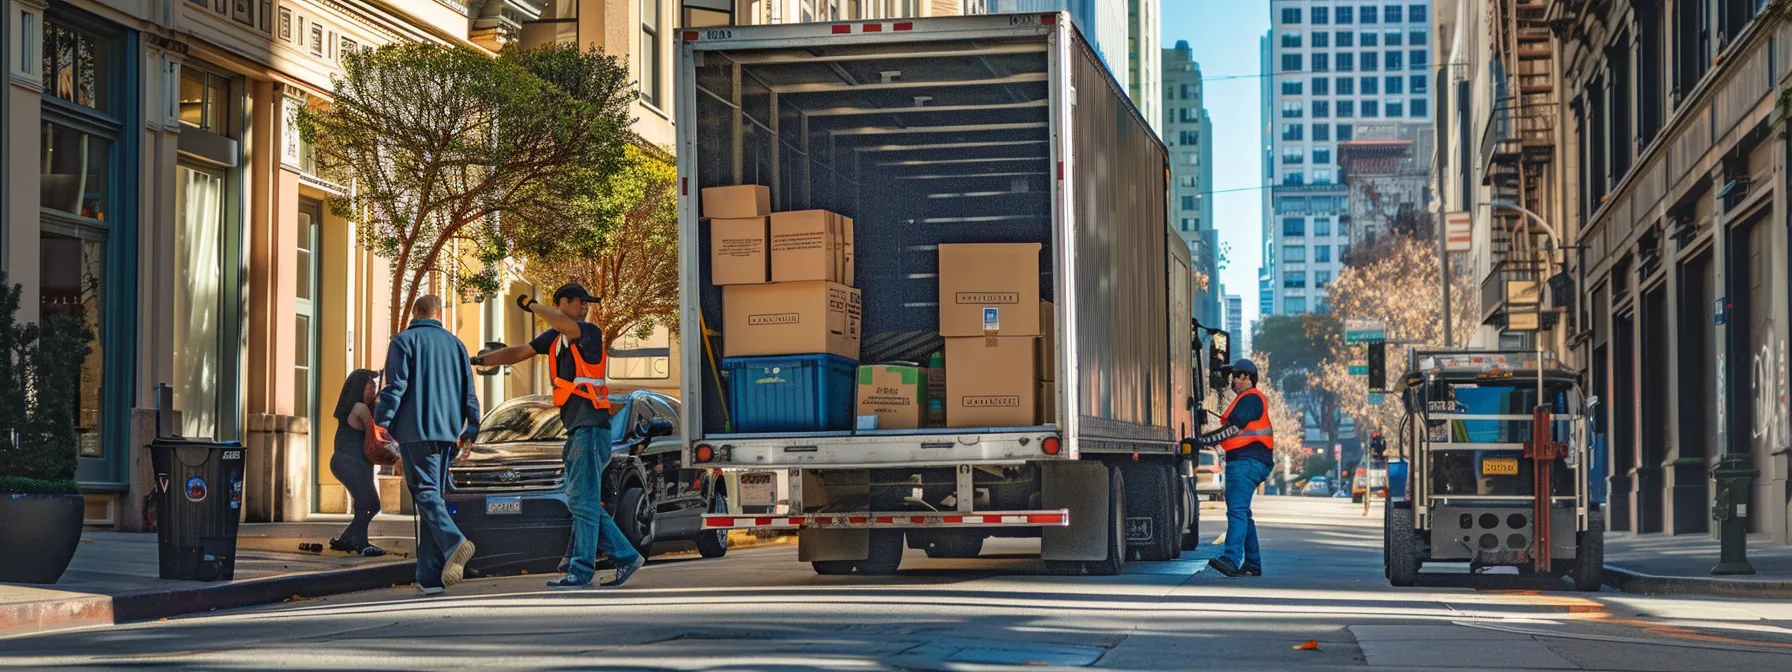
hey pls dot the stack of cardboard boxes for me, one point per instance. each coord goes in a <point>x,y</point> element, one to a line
<point>786,290</point>
<point>992,319</point>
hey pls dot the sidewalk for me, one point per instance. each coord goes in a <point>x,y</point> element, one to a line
<point>114,576</point>
<point>1681,565</point>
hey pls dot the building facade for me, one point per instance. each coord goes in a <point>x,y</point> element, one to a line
<point>1335,66</point>
<point>1642,132</point>
<point>1235,316</point>
<point>1108,26</point>
<point>1188,133</point>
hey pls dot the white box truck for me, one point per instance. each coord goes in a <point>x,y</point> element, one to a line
<point>929,132</point>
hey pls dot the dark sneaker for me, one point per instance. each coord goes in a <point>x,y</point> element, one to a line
<point>339,545</point>
<point>625,571</point>
<point>1251,570</point>
<point>569,583</point>
<point>1225,566</point>
<point>453,571</point>
<point>372,551</point>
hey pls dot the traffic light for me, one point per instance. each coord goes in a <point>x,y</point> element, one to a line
<point>1378,444</point>
<point>1378,366</point>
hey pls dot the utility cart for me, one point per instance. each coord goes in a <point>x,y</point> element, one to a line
<point>1494,478</point>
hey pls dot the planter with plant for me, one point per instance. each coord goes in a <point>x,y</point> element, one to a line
<point>40,383</point>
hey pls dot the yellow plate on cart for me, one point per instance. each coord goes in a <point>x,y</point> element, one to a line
<point>1499,467</point>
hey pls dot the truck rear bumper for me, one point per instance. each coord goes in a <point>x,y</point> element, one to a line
<point>892,520</point>
<point>918,448</point>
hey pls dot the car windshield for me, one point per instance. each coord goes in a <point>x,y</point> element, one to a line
<point>536,419</point>
<point>1207,459</point>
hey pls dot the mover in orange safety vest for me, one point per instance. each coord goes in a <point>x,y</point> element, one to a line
<point>1250,453</point>
<point>577,365</point>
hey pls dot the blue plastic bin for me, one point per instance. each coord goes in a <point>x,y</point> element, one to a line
<point>791,393</point>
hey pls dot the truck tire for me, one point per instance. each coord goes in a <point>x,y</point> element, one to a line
<point>1589,555</point>
<point>955,545</point>
<point>1402,548</point>
<point>1191,528</point>
<point>1151,495</point>
<point>634,514</point>
<point>886,553</point>
<point>1116,535</point>
<point>714,543</point>
<point>832,567</point>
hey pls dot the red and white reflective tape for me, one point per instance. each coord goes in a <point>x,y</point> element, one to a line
<point>1058,518</point>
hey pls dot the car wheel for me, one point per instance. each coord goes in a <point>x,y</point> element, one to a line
<point>635,516</point>
<point>714,543</point>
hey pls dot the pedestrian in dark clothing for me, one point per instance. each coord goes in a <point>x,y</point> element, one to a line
<point>429,407</point>
<point>1250,454</point>
<point>577,362</point>
<point>354,430</point>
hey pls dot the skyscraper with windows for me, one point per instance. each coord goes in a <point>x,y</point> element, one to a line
<point>1123,33</point>
<point>1187,133</point>
<point>1334,69</point>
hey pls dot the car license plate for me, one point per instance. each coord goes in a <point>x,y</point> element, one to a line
<point>1499,467</point>
<point>504,506</point>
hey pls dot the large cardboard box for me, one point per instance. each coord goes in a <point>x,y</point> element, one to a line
<point>790,318</point>
<point>1047,361</point>
<point>895,394</point>
<point>738,251</point>
<point>989,290</point>
<point>849,276</point>
<point>990,382</point>
<point>747,200</point>
<point>1048,402</point>
<point>806,245</point>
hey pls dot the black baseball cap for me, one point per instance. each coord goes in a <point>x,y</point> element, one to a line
<point>573,290</point>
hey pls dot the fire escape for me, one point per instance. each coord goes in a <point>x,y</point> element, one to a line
<point>1517,146</point>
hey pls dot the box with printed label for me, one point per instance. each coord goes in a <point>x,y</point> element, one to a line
<point>989,290</point>
<point>990,382</point>
<point>738,253</point>
<point>895,394</point>
<point>1048,342</point>
<point>790,318</point>
<point>747,200</point>
<point>806,245</point>
<point>849,276</point>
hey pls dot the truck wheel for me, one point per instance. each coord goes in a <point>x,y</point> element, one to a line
<point>1116,532</point>
<point>1191,529</point>
<point>1402,549</point>
<point>832,567</point>
<point>714,543</point>
<point>1589,555</point>
<point>634,514</point>
<point>886,553</point>
<point>1152,496</point>
<point>957,545</point>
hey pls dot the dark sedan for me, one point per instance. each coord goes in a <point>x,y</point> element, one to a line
<point>509,495</point>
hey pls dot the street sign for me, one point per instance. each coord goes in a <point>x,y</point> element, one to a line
<point>1364,331</point>
<point>1375,398</point>
<point>1359,369</point>
<point>1459,231</point>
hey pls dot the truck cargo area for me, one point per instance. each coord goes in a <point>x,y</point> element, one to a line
<point>947,144</point>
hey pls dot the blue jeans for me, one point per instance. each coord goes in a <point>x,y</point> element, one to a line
<point>1242,479</point>
<point>425,470</point>
<point>587,455</point>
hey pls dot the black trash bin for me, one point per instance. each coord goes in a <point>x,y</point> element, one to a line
<point>199,487</point>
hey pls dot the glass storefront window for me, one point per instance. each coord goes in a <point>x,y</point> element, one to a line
<point>75,66</point>
<point>74,172</point>
<point>198,308</point>
<point>73,277</point>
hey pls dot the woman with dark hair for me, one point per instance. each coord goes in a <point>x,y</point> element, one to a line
<point>356,438</point>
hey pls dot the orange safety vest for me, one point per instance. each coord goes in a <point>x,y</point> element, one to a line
<point>588,379</point>
<point>1255,430</point>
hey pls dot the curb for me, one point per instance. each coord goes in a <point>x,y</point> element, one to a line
<point>1648,584</point>
<point>26,618</point>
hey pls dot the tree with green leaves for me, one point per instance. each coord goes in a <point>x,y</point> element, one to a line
<point>634,264</point>
<point>1299,344</point>
<point>40,397</point>
<point>456,160</point>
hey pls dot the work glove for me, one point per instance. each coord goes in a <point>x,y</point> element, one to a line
<point>525,302</point>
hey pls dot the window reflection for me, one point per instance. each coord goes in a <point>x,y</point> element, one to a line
<point>75,66</point>
<point>73,284</point>
<point>74,172</point>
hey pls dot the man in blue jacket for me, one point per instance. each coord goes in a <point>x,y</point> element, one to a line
<point>429,408</point>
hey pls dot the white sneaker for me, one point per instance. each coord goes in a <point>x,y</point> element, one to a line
<point>430,590</point>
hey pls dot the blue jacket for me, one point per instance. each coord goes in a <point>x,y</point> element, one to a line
<point>429,387</point>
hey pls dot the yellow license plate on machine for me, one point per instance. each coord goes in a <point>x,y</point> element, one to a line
<point>1499,467</point>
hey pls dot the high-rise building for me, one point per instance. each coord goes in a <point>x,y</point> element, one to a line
<point>1107,27</point>
<point>1337,66</point>
<point>1187,132</point>
<point>1235,316</point>
<point>1144,69</point>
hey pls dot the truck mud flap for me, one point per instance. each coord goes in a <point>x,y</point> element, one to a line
<point>824,545</point>
<point>1082,488</point>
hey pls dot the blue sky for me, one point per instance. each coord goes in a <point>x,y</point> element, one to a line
<point>1224,35</point>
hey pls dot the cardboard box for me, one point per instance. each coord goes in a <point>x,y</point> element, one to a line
<point>1048,402</point>
<point>990,382</point>
<point>989,290</point>
<point>806,246</point>
<point>1047,361</point>
<point>738,251</point>
<point>850,275</point>
<point>747,200</point>
<point>895,394</point>
<point>790,318</point>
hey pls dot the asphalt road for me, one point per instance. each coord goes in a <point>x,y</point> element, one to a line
<point>760,609</point>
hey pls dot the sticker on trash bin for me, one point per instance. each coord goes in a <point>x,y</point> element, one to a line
<point>195,489</point>
<point>236,490</point>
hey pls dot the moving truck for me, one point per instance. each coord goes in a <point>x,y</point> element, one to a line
<point>996,135</point>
